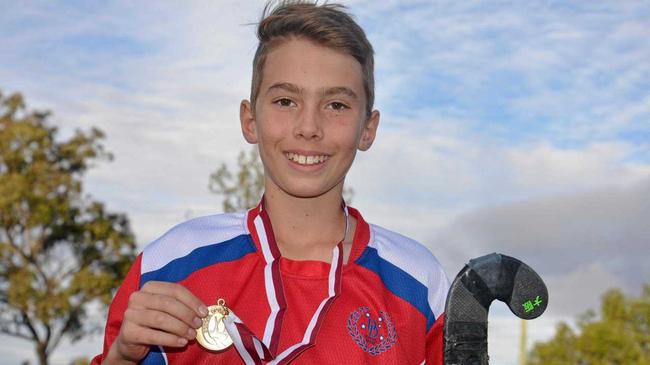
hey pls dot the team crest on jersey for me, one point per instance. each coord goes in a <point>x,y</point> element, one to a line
<point>374,334</point>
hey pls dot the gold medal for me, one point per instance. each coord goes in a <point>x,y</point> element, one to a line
<point>213,335</point>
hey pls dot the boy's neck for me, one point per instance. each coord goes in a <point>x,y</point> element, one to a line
<point>308,228</point>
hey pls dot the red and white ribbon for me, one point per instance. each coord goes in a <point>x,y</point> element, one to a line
<point>253,350</point>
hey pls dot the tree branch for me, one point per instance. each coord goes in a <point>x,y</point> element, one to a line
<point>6,324</point>
<point>48,334</point>
<point>58,336</point>
<point>4,329</point>
<point>56,339</point>
<point>29,325</point>
<point>28,258</point>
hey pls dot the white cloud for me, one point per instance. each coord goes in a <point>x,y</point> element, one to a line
<point>545,168</point>
<point>441,165</point>
<point>593,240</point>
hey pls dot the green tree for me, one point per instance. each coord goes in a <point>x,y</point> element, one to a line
<point>619,335</point>
<point>59,250</point>
<point>244,191</point>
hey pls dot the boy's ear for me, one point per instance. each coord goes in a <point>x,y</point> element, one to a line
<point>247,120</point>
<point>369,131</point>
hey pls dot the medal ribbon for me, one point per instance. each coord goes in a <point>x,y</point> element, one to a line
<point>253,350</point>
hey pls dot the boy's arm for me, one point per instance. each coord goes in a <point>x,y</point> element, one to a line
<point>116,310</point>
<point>434,346</point>
<point>159,313</point>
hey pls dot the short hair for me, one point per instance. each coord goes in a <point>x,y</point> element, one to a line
<point>328,25</point>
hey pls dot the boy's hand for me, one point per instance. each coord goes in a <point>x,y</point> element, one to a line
<point>160,313</point>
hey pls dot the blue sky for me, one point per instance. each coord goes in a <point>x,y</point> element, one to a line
<point>524,70</point>
<point>518,127</point>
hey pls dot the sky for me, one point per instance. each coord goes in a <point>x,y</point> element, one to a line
<point>514,127</point>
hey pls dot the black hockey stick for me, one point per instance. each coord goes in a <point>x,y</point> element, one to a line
<point>484,279</point>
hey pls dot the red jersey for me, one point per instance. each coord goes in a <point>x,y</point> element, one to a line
<point>389,311</point>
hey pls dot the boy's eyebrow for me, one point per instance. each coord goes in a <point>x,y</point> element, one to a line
<point>292,88</point>
<point>285,86</point>
<point>340,90</point>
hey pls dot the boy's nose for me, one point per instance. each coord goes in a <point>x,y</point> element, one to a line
<point>309,124</point>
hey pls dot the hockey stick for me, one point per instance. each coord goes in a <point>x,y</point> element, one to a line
<point>484,279</point>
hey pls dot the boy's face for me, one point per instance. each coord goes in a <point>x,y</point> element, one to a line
<point>309,118</point>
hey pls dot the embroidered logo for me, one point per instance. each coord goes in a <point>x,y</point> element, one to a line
<point>373,335</point>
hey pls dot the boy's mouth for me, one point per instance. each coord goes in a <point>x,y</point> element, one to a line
<point>306,160</point>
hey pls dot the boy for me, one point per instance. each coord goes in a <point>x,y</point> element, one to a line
<point>301,278</point>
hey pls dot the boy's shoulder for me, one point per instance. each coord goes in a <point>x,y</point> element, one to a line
<point>186,237</point>
<point>199,231</point>
<point>407,268</point>
<point>403,251</point>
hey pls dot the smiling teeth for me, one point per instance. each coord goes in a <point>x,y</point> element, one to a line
<point>306,160</point>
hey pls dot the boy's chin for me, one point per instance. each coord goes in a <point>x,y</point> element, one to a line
<point>310,192</point>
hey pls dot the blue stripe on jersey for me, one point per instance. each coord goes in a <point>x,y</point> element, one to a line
<point>398,282</point>
<point>154,357</point>
<point>180,268</point>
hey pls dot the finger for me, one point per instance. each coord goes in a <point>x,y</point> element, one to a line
<point>166,304</point>
<point>160,321</point>
<point>179,292</point>
<point>133,334</point>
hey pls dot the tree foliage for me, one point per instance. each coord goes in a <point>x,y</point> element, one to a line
<point>59,250</point>
<point>619,335</point>
<point>244,190</point>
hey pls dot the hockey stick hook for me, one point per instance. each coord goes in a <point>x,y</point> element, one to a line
<point>494,276</point>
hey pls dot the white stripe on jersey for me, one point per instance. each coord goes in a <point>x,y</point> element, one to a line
<point>416,260</point>
<point>273,304</point>
<point>261,234</point>
<point>188,236</point>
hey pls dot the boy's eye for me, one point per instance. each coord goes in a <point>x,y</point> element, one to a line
<point>284,102</point>
<point>337,106</point>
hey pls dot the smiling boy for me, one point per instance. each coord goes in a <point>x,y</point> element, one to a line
<point>301,278</point>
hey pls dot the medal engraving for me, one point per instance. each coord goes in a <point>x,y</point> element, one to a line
<point>213,335</point>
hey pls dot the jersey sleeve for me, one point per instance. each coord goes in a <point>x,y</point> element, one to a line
<point>116,310</point>
<point>434,342</point>
<point>438,285</point>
